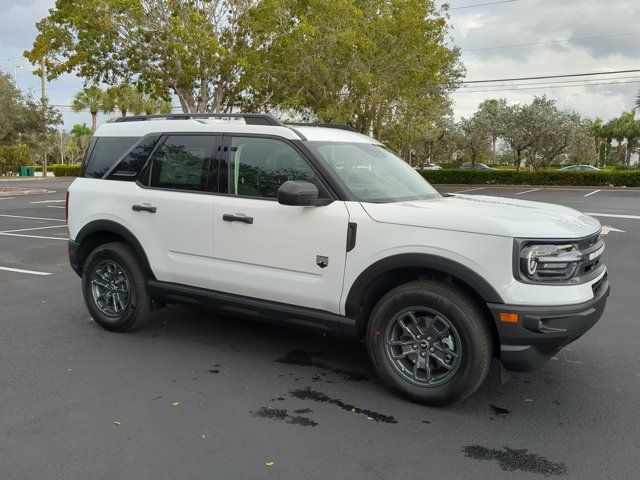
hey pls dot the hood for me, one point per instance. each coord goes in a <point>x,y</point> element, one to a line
<point>487,215</point>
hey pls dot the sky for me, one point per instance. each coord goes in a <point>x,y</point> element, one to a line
<point>477,27</point>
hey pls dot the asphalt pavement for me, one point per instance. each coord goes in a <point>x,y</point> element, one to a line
<point>198,395</point>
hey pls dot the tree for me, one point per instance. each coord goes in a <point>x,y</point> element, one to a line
<point>194,49</point>
<point>93,99</point>
<point>150,106</point>
<point>22,117</point>
<point>615,127</point>
<point>124,98</point>
<point>476,136</point>
<point>491,114</point>
<point>596,131</point>
<point>631,129</point>
<point>519,130</point>
<point>374,65</point>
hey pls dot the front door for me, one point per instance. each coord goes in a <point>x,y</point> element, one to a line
<point>288,254</point>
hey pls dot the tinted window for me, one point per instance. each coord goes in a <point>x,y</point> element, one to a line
<point>132,163</point>
<point>182,162</point>
<point>258,166</point>
<point>106,152</point>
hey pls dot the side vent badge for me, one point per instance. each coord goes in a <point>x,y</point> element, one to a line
<point>322,261</point>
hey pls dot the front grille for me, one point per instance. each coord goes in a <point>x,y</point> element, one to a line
<point>590,247</point>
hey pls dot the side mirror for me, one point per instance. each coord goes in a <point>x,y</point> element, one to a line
<point>298,192</point>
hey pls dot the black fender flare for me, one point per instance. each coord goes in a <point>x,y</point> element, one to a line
<point>417,260</point>
<point>118,229</point>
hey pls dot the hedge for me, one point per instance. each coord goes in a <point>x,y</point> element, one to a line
<point>546,177</point>
<point>65,170</point>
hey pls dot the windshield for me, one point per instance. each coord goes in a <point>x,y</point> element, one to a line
<point>372,173</point>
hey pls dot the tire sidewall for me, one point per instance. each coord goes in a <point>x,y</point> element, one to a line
<point>471,359</point>
<point>100,254</point>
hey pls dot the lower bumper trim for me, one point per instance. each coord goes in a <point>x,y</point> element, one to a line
<point>543,331</point>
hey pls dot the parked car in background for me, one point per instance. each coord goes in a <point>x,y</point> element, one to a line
<point>581,168</point>
<point>477,166</point>
<point>428,166</point>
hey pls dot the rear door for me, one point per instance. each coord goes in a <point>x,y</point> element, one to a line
<point>287,254</point>
<point>170,208</point>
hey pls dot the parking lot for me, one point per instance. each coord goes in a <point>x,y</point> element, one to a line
<point>196,395</point>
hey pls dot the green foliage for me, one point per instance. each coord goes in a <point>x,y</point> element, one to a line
<point>543,177</point>
<point>65,170</point>
<point>12,157</point>
<point>381,67</point>
<point>22,120</point>
<point>80,130</point>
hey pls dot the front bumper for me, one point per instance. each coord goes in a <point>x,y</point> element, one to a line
<point>541,331</point>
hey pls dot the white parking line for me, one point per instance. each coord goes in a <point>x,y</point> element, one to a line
<point>470,190</point>
<point>33,228</point>
<point>528,191</point>
<point>613,215</point>
<point>33,218</point>
<point>53,206</point>
<point>592,193</point>
<point>32,236</point>
<point>19,270</point>
<point>7,198</point>
<point>49,201</point>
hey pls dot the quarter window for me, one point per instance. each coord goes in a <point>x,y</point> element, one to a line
<point>259,166</point>
<point>183,163</point>
<point>106,152</point>
<point>129,167</point>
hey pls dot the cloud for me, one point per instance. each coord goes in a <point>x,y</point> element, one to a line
<point>535,21</point>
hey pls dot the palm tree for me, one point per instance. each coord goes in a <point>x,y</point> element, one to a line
<point>92,98</point>
<point>125,98</point>
<point>616,130</point>
<point>629,127</point>
<point>150,105</point>
<point>595,129</point>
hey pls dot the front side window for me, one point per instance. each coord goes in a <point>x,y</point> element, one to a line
<point>182,162</point>
<point>259,166</point>
<point>105,153</point>
<point>372,173</point>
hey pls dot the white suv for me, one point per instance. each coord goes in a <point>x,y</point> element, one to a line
<point>319,226</point>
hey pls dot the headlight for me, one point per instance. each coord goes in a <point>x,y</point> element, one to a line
<point>548,262</point>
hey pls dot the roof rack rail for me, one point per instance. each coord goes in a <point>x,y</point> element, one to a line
<point>324,125</point>
<point>249,118</point>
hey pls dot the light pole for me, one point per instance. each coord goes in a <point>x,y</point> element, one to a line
<point>15,72</point>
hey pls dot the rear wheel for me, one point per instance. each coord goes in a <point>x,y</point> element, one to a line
<point>430,342</point>
<point>114,285</point>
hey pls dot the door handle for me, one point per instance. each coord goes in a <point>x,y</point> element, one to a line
<point>227,217</point>
<point>143,208</point>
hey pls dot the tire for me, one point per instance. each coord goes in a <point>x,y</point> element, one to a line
<point>445,354</point>
<point>112,269</point>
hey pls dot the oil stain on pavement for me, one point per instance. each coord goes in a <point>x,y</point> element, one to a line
<point>511,460</point>
<point>282,415</point>
<point>308,394</point>
<point>306,359</point>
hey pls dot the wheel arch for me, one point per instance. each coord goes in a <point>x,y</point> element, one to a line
<point>99,232</point>
<point>384,275</point>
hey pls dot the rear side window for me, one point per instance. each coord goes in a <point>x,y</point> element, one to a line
<point>183,163</point>
<point>106,152</point>
<point>129,167</point>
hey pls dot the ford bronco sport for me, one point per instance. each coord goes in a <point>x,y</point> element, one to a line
<point>319,226</point>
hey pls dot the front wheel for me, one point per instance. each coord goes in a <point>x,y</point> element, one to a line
<point>114,287</point>
<point>430,342</point>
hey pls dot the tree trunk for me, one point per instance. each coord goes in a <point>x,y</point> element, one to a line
<point>619,151</point>
<point>94,121</point>
<point>518,159</point>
